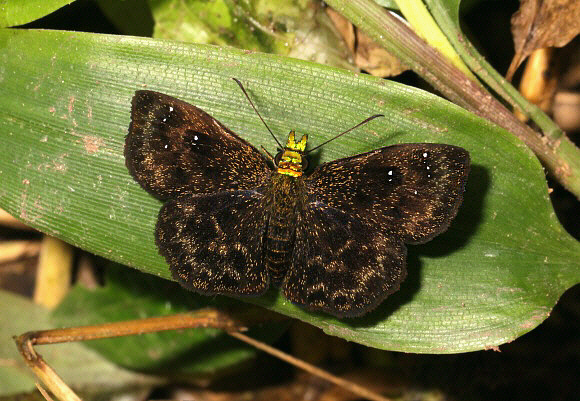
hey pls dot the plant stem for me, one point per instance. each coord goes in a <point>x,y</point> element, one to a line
<point>560,156</point>
<point>488,74</point>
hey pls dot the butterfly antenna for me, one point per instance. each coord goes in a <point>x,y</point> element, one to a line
<point>347,131</point>
<point>256,110</point>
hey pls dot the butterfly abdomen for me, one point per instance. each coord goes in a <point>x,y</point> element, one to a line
<point>285,200</point>
<point>279,245</point>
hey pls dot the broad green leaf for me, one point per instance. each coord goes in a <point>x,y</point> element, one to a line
<point>194,354</point>
<point>20,12</point>
<point>79,367</point>
<point>65,109</point>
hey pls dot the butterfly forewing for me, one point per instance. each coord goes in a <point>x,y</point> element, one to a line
<point>411,191</point>
<point>174,147</point>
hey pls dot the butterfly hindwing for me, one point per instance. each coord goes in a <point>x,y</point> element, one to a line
<point>411,191</point>
<point>341,265</point>
<point>213,242</point>
<point>174,147</point>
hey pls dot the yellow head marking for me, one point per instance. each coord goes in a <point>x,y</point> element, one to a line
<point>290,162</point>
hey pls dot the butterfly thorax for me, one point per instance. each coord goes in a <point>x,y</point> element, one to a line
<point>285,200</point>
<point>291,160</point>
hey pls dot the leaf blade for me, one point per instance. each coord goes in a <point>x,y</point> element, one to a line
<point>19,12</point>
<point>65,112</point>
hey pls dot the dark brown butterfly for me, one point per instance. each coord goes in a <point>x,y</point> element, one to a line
<point>235,222</point>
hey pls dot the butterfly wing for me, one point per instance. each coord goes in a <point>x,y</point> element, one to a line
<point>349,251</point>
<point>209,230</point>
<point>341,264</point>
<point>412,191</point>
<point>174,147</point>
<point>213,242</point>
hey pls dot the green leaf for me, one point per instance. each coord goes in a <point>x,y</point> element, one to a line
<point>19,12</point>
<point>295,28</point>
<point>65,109</point>
<point>192,354</point>
<point>79,367</point>
<point>389,4</point>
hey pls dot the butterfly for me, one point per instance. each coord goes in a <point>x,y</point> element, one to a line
<point>235,221</point>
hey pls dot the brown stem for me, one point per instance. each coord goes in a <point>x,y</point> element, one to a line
<point>347,385</point>
<point>202,318</point>
<point>558,154</point>
<point>25,342</point>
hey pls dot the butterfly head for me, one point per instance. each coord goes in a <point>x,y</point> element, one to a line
<point>291,160</point>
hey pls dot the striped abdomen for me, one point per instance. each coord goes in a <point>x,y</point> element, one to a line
<point>279,246</point>
<point>285,200</point>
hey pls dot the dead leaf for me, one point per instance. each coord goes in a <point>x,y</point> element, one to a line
<point>539,82</point>
<point>543,23</point>
<point>368,56</point>
<point>344,27</point>
<point>566,110</point>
